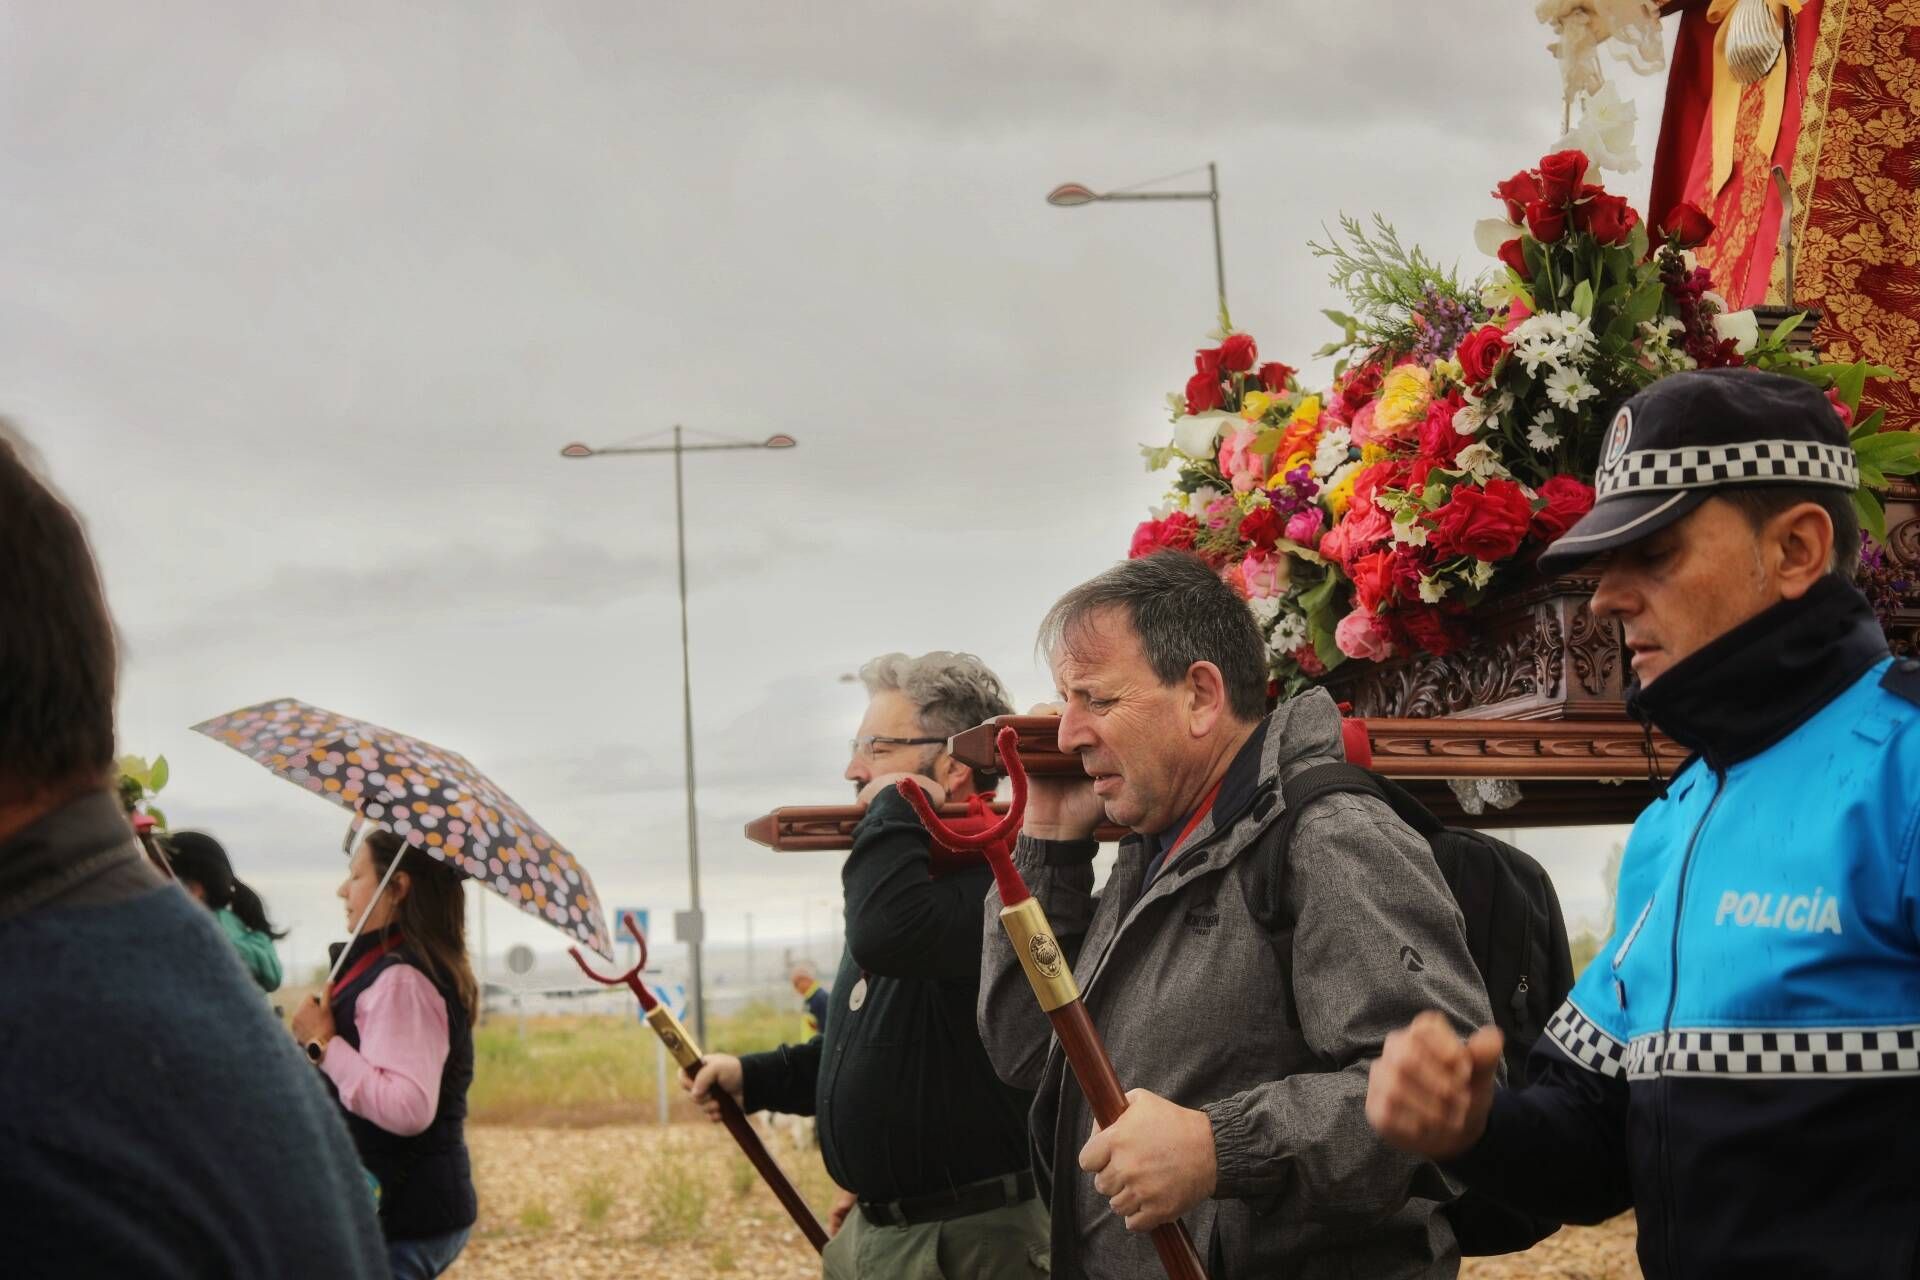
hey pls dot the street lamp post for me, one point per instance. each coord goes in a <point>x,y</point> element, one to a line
<point>1070,195</point>
<point>677,448</point>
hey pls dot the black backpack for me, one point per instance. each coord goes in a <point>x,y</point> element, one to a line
<point>1515,934</point>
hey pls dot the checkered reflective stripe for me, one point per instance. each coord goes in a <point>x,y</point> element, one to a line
<point>1754,462</point>
<point>1866,1051</point>
<point>1584,1042</point>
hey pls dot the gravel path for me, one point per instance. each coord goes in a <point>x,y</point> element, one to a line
<point>626,1201</point>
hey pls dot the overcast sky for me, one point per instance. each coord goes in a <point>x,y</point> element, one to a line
<point>302,301</point>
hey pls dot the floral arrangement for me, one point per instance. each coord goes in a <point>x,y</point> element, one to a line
<point>1462,424</point>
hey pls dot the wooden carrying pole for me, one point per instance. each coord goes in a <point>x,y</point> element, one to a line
<point>1052,978</point>
<point>687,1053</point>
<point>805,828</point>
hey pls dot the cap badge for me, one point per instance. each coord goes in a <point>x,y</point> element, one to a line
<point>1618,436</point>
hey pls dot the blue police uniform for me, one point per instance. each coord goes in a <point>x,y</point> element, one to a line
<point>1741,1061</point>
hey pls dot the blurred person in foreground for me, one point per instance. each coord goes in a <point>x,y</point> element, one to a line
<point>201,866</point>
<point>156,1123</point>
<point>394,1037</point>
<point>929,1145</point>
<point>1241,984</point>
<point>1740,1063</point>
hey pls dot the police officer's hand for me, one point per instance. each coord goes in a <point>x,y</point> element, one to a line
<point>1155,1163</point>
<point>936,794</point>
<point>1429,1092</point>
<point>1062,808</point>
<point>843,1202</point>
<point>717,1070</point>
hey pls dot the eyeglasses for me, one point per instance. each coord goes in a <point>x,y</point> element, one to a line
<point>863,747</point>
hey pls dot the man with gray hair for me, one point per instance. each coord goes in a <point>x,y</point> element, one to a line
<point>1241,987</point>
<point>929,1144</point>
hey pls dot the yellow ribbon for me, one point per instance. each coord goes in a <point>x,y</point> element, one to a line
<point>1726,92</point>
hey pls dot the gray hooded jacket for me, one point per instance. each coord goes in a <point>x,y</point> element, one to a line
<point>1269,1025</point>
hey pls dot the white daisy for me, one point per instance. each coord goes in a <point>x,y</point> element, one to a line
<point>1542,435</point>
<point>1568,388</point>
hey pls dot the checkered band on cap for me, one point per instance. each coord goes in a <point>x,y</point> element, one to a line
<point>1754,462</point>
<point>1577,1037</point>
<point>1776,1053</point>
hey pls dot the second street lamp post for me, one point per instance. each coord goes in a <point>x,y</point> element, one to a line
<point>1069,195</point>
<point>677,448</point>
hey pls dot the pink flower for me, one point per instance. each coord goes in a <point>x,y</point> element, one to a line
<point>1362,635</point>
<point>1363,429</point>
<point>1840,407</point>
<point>1304,527</point>
<point>1265,574</point>
<point>1220,513</point>
<point>1246,469</point>
<point>1518,313</point>
<point>1365,524</point>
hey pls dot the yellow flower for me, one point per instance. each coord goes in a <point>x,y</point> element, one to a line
<point>1308,410</point>
<point>1255,405</point>
<point>1404,395</point>
<point>1341,494</point>
<point>1372,452</point>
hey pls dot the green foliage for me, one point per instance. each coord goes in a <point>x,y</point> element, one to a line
<point>1386,282</point>
<point>535,1216</point>
<point>139,782</point>
<point>741,1178</point>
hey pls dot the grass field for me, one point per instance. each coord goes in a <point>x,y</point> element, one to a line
<point>574,1071</point>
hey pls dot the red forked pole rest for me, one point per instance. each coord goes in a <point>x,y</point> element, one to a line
<point>1050,975</point>
<point>687,1053</point>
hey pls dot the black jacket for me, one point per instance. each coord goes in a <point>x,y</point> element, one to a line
<point>907,1102</point>
<point>426,1181</point>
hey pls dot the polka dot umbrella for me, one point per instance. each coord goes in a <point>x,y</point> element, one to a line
<point>432,798</point>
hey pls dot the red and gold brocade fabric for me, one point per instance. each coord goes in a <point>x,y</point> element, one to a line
<point>1850,142</point>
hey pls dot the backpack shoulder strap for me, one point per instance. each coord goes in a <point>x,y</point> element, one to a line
<point>1308,785</point>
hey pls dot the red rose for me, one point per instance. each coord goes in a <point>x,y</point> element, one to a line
<point>1238,353</point>
<point>1203,392</point>
<point>1567,500</point>
<point>1175,532</point>
<point>1686,226</point>
<point>1609,218</point>
<point>1561,175</point>
<point>1487,524</point>
<point>1308,661</point>
<point>1372,479</point>
<point>1262,526</point>
<point>1479,355</point>
<point>1513,256</point>
<point>1429,630</point>
<point>1360,386</point>
<point>1439,442</point>
<point>1546,222</point>
<point>1274,376</point>
<point>1373,579</point>
<point>1207,360</point>
<point>1519,191</point>
<point>1409,565</point>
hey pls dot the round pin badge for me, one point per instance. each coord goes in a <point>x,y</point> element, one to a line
<point>1619,435</point>
<point>858,996</point>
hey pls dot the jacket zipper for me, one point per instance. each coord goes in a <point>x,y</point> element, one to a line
<point>1673,996</point>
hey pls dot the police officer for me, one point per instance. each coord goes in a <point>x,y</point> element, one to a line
<point>1740,1064</point>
